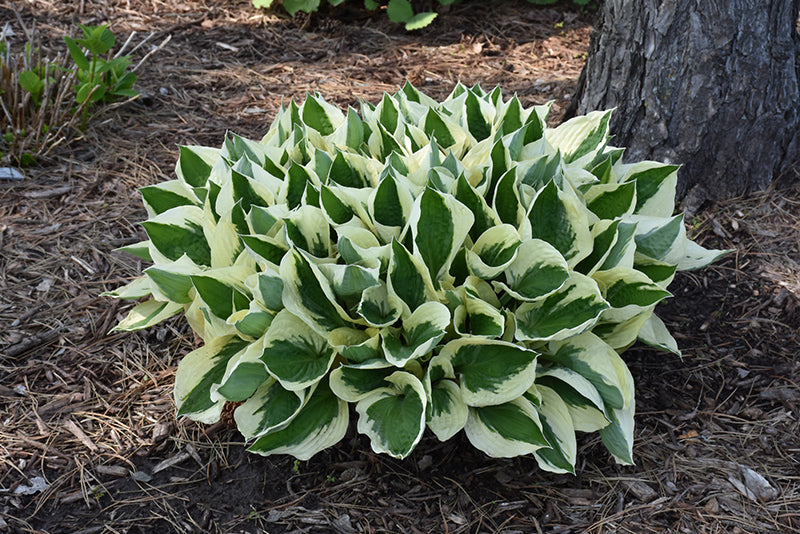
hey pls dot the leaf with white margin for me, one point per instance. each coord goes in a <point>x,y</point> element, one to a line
<point>618,436</point>
<point>585,405</point>
<point>394,417</point>
<point>661,239</point>
<point>656,184</point>
<point>355,346</point>
<point>223,290</point>
<point>604,233</point>
<point>494,251</point>
<point>349,281</point>
<point>489,371</point>
<point>537,271</point>
<point>506,430</point>
<point>621,333</point>
<point>477,317</point>
<point>197,372</point>
<point>320,115</point>
<point>485,217</point>
<point>167,195</point>
<point>308,229</point>
<point>308,294</point>
<point>559,431</point>
<point>390,207</point>
<point>580,136</point>
<point>574,308</point>
<point>147,314</point>
<point>222,237</point>
<point>351,383</point>
<point>696,256</point>
<point>294,354</point>
<point>173,281</point>
<point>252,322</point>
<point>267,289</point>
<point>560,218</point>
<point>439,223</point>
<point>623,250</point>
<point>195,163</point>
<point>596,361</point>
<point>244,373</point>
<point>357,244</point>
<point>138,288</point>
<point>179,231</point>
<point>655,333</point>
<point>609,201</point>
<point>628,291</point>
<point>447,412</point>
<point>379,307</point>
<point>421,331</point>
<point>448,134</point>
<point>409,279</point>
<point>271,407</point>
<point>320,423</point>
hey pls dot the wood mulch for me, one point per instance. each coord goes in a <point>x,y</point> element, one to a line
<point>88,436</point>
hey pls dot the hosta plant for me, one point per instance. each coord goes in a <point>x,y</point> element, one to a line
<point>450,266</point>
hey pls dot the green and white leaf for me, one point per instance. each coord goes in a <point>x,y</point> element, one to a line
<point>198,371</point>
<point>447,412</point>
<point>320,423</point>
<point>421,331</point>
<point>489,372</point>
<point>270,408</point>
<point>506,430</point>
<point>147,314</point>
<point>570,310</point>
<point>394,417</point>
<point>537,271</point>
<point>294,353</point>
<point>559,431</point>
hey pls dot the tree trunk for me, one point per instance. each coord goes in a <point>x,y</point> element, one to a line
<point>711,84</point>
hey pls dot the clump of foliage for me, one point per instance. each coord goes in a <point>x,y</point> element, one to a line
<point>47,101</point>
<point>451,266</point>
<point>399,11</point>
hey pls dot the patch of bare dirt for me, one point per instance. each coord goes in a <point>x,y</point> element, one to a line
<point>88,436</point>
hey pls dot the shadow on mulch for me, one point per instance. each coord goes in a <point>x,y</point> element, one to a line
<point>88,425</point>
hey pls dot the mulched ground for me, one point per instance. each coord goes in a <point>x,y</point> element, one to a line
<point>88,437</point>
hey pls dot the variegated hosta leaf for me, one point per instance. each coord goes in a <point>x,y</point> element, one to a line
<point>586,406</point>
<point>320,423</point>
<point>505,430</point>
<point>573,308</point>
<point>439,224</point>
<point>198,371</point>
<point>559,431</point>
<point>352,383</point>
<point>271,407</point>
<point>537,271</point>
<point>394,417</point>
<point>415,258</point>
<point>447,411</point>
<point>559,218</point>
<point>148,313</point>
<point>655,334</point>
<point>489,372</point>
<point>590,357</point>
<point>294,354</point>
<point>422,330</point>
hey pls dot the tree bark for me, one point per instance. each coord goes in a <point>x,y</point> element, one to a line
<point>711,84</point>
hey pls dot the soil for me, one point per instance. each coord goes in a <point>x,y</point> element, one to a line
<point>89,441</point>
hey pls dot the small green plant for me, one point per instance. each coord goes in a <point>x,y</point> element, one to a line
<point>99,78</point>
<point>444,266</point>
<point>47,102</point>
